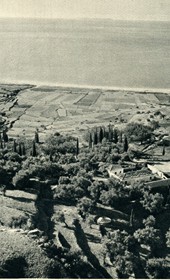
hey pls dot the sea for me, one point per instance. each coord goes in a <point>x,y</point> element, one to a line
<point>100,53</point>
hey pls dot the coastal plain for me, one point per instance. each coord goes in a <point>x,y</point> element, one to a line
<point>74,110</point>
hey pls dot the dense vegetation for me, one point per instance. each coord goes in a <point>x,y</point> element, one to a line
<point>80,178</point>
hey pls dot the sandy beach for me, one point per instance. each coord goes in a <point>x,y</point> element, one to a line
<point>87,86</point>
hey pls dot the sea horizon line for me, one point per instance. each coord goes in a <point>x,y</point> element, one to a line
<point>85,19</point>
<point>85,86</point>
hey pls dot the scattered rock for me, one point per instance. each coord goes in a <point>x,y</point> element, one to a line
<point>36,232</point>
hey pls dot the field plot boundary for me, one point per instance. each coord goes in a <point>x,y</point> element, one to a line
<point>89,99</point>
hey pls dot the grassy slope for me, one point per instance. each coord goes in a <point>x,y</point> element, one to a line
<point>92,234</point>
<point>19,200</point>
<point>21,257</point>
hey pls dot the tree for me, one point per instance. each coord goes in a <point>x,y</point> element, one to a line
<point>125,265</point>
<point>68,194</point>
<point>64,180</point>
<point>43,168</point>
<point>115,195</point>
<point>4,176</point>
<point>34,152</point>
<point>20,149</point>
<point>76,265</point>
<point>110,135</point>
<point>102,230</point>
<point>5,136</point>
<point>57,143</point>
<point>126,145</point>
<point>150,221</point>
<point>120,136</point>
<point>115,136</point>
<point>152,202</point>
<point>104,132</point>
<point>82,183</point>
<point>157,268</point>
<point>21,179</point>
<point>36,138</point>
<point>95,139</point>
<point>85,206</point>
<point>138,132</point>
<point>116,245</point>
<point>95,190</point>
<point>100,134</point>
<point>150,237</point>
<point>90,141</point>
<point>60,217</point>
<point>163,150</point>
<point>1,144</point>
<point>109,197</point>
<point>12,157</point>
<point>23,149</point>
<point>77,146</point>
<point>14,146</point>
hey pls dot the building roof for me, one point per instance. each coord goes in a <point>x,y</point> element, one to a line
<point>163,167</point>
<point>115,167</point>
<point>137,173</point>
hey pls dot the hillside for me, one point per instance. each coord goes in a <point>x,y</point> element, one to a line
<point>84,183</point>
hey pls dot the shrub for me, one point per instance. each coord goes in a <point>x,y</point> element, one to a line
<point>157,268</point>
<point>21,257</point>
<point>18,222</point>
<point>15,218</point>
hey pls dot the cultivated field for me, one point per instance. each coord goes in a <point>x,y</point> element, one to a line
<point>73,110</point>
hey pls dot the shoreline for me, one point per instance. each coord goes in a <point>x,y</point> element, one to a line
<point>95,87</point>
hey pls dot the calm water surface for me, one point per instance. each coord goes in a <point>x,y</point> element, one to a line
<point>100,53</point>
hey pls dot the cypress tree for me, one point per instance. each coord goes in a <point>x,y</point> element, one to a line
<point>36,138</point>
<point>5,136</point>
<point>23,149</point>
<point>95,140</point>
<point>14,146</point>
<point>1,144</point>
<point>126,146</point>
<point>163,150</point>
<point>100,134</point>
<point>51,157</point>
<point>120,137</point>
<point>104,132</point>
<point>90,141</point>
<point>77,146</point>
<point>115,136</point>
<point>110,133</point>
<point>20,149</point>
<point>34,152</point>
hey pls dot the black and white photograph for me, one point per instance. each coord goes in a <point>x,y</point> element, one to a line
<point>85,139</point>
